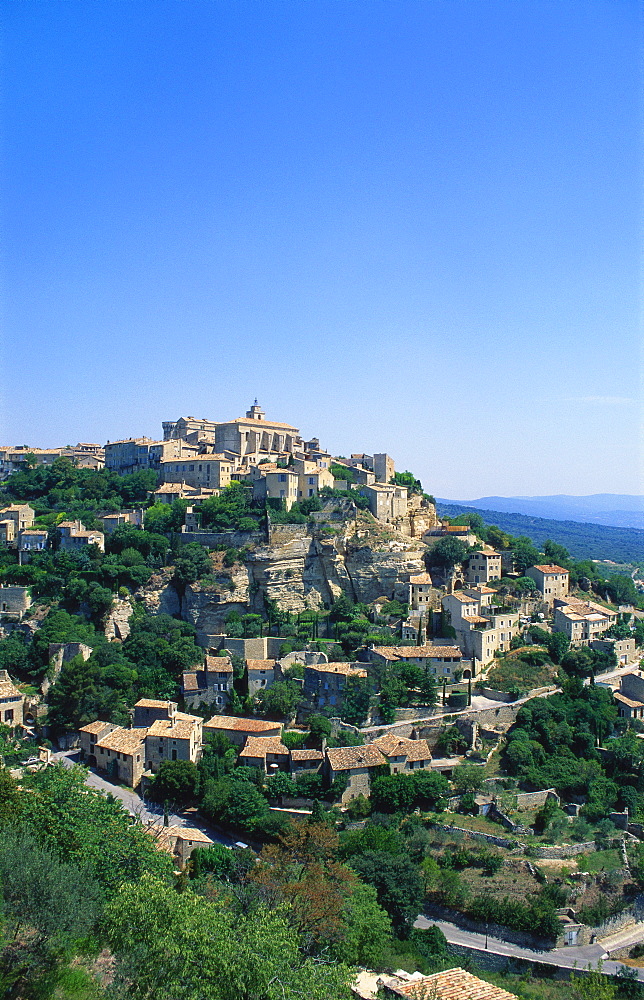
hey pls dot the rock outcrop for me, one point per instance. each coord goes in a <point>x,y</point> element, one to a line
<point>117,621</point>
<point>304,566</point>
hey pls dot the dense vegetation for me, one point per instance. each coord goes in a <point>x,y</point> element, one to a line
<point>584,541</point>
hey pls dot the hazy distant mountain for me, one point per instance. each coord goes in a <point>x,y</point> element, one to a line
<point>616,509</point>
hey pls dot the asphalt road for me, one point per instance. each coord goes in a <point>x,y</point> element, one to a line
<point>149,813</point>
<point>584,957</point>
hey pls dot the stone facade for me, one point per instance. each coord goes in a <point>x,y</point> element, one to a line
<point>11,702</point>
<point>552,581</point>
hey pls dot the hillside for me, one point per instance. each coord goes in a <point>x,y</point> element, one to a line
<point>583,540</point>
<point>615,509</point>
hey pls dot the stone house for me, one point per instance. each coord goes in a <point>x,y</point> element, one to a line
<point>440,661</point>
<point>74,537</point>
<point>305,761</point>
<point>12,702</point>
<point>121,754</point>
<point>582,621</point>
<point>89,736</point>
<point>481,629</point>
<point>312,479</point>
<point>630,697</point>
<point>552,581</point>
<point>276,484</point>
<point>404,755</point>
<point>624,649</point>
<point>133,454</point>
<point>452,984</point>
<point>111,522</point>
<point>238,730</point>
<point>181,841</point>
<point>178,738</point>
<point>420,592</point>
<point>324,683</point>
<point>199,471</point>
<point>357,765</point>
<point>21,516</point>
<point>14,601</point>
<point>31,540</point>
<point>266,752</point>
<point>382,466</point>
<point>148,710</point>
<point>483,566</point>
<point>169,492</point>
<point>261,674</point>
<point>190,429</point>
<point>211,684</point>
<point>387,503</point>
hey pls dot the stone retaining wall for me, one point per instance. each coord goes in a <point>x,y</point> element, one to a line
<point>484,838</point>
<point>522,938</point>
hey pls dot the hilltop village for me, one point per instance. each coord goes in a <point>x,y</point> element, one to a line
<point>242,636</point>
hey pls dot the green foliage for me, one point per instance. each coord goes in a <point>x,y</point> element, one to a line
<point>448,552</point>
<point>236,803</point>
<point>46,904</point>
<point>90,830</point>
<point>171,945</point>
<point>409,480</point>
<point>162,518</point>
<point>536,916</point>
<point>232,510</point>
<point>405,792</point>
<point>191,564</point>
<point>279,701</point>
<point>177,782</point>
<point>397,883</point>
<point>356,700</point>
<point>366,929</point>
<point>468,778</point>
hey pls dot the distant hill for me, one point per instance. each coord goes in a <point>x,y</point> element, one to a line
<point>617,509</point>
<point>583,540</point>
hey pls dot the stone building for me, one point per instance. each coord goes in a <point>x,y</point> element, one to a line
<point>440,661</point>
<point>14,601</point>
<point>191,429</point>
<point>261,674</point>
<point>324,683</point>
<point>266,752</point>
<point>357,765</point>
<point>210,684</point>
<point>12,702</point>
<point>178,738</point>
<point>582,621</point>
<point>238,730</point>
<point>121,754</point>
<point>253,437</point>
<point>74,537</point>
<point>386,502</point>
<point>552,581</point>
<point>420,592</point>
<point>483,566</point>
<point>199,471</point>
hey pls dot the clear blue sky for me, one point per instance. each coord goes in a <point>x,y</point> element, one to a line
<point>404,226</point>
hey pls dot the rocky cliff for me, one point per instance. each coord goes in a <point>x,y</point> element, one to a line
<point>304,566</point>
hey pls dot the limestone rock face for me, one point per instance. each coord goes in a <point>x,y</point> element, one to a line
<point>304,566</point>
<point>117,622</point>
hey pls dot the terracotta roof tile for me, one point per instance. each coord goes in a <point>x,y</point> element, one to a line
<point>238,725</point>
<point>346,758</point>
<point>259,746</point>
<point>453,984</point>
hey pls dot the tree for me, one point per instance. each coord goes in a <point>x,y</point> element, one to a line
<point>555,553</point>
<point>176,781</point>
<point>173,945</point>
<point>279,701</point>
<point>365,929</point>
<point>192,563</point>
<point>302,870</point>
<point>237,803</point>
<point>45,905</point>
<point>525,554</point>
<point>468,778</point>
<point>448,552</point>
<point>397,884</point>
<point>319,727</point>
<point>356,701</point>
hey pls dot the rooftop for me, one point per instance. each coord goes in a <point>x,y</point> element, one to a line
<point>346,758</point>
<point>453,984</point>
<point>397,746</point>
<point>123,740</point>
<point>181,727</point>
<point>551,568</point>
<point>337,668</point>
<point>241,725</point>
<point>411,652</point>
<point>421,578</point>
<point>259,746</point>
<point>94,728</point>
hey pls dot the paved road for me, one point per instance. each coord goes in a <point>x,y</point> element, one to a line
<point>564,958</point>
<point>148,812</point>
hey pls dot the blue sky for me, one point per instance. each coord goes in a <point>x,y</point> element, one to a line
<point>410,227</point>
